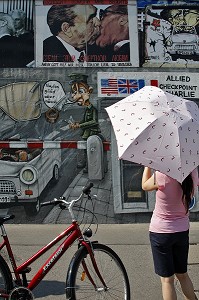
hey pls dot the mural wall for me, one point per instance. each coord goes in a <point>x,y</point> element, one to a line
<point>61,65</point>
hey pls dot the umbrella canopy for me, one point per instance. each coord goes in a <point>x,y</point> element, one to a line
<point>159,130</point>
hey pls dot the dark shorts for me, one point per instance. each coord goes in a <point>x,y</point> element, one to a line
<point>170,252</point>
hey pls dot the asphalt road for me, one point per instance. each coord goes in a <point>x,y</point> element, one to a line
<point>131,243</point>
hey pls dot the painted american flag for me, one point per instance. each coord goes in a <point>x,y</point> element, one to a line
<point>109,86</point>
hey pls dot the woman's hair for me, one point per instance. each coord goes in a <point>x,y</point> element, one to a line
<point>187,188</point>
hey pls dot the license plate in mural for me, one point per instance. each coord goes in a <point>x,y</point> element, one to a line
<point>185,52</point>
<point>4,199</point>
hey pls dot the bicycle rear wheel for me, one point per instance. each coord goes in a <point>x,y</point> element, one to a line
<point>78,285</point>
<point>5,278</point>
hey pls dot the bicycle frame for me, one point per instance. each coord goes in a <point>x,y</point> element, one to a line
<point>71,234</point>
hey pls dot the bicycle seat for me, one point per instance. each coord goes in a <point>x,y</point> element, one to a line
<point>6,218</point>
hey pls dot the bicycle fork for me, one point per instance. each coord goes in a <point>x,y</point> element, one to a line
<point>92,256</point>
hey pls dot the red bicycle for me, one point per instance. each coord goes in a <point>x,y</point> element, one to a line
<point>95,271</point>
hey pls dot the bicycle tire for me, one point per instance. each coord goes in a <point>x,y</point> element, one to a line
<point>111,269</point>
<point>6,284</point>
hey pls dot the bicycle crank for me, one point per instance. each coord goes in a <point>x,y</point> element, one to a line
<point>21,293</point>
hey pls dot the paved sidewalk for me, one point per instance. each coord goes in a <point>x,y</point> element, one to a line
<point>130,241</point>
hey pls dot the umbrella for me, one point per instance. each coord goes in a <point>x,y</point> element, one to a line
<point>157,129</point>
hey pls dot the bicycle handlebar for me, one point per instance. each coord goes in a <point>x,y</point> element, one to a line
<point>86,190</point>
<point>52,202</point>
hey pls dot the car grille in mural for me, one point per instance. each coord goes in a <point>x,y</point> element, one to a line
<point>7,187</point>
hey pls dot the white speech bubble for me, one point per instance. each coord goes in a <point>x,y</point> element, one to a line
<point>53,94</point>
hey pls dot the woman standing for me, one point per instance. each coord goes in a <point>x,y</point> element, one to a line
<point>169,230</point>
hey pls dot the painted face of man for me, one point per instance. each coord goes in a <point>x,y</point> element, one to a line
<point>114,28</point>
<point>83,30</point>
<point>18,21</point>
<point>7,21</point>
<point>80,93</point>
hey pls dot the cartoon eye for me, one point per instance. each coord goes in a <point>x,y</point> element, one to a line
<point>82,91</point>
<point>144,152</point>
<point>155,149</point>
<point>167,146</point>
<point>136,143</point>
<point>132,155</point>
<point>162,158</point>
<point>173,157</point>
<point>150,162</point>
<point>148,139</point>
<point>168,170</point>
<point>177,145</point>
<point>160,136</point>
<point>171,133</point>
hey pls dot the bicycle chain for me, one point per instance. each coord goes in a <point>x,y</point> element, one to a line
<point>21,293</point>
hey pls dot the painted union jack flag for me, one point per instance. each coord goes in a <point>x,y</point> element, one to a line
<point>130,86</point>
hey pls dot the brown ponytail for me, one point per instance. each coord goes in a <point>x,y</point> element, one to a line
<point>188,189</point>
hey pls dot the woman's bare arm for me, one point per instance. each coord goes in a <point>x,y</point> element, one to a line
<point>148,180</point>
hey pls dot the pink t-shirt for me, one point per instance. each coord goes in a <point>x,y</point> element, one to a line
<point>170,215</point>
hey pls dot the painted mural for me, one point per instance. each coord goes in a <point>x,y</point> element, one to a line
<point>42,124</point>
<point>90,35</point>
<point>55,133</point>
<point>168,33</point>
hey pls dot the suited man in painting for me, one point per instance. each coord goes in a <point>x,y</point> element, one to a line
<point>8,42</point>
<point>72,27</point>
<point>25,37</point>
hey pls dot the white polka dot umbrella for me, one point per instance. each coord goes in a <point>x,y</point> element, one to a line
<point>157,129</point>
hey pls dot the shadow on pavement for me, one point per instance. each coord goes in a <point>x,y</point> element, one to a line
<point>46,288</point>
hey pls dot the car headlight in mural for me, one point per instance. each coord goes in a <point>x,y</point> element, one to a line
<point>28,175</point>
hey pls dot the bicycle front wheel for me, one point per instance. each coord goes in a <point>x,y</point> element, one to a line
<point>5,278</point>
<point>79,286</point>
